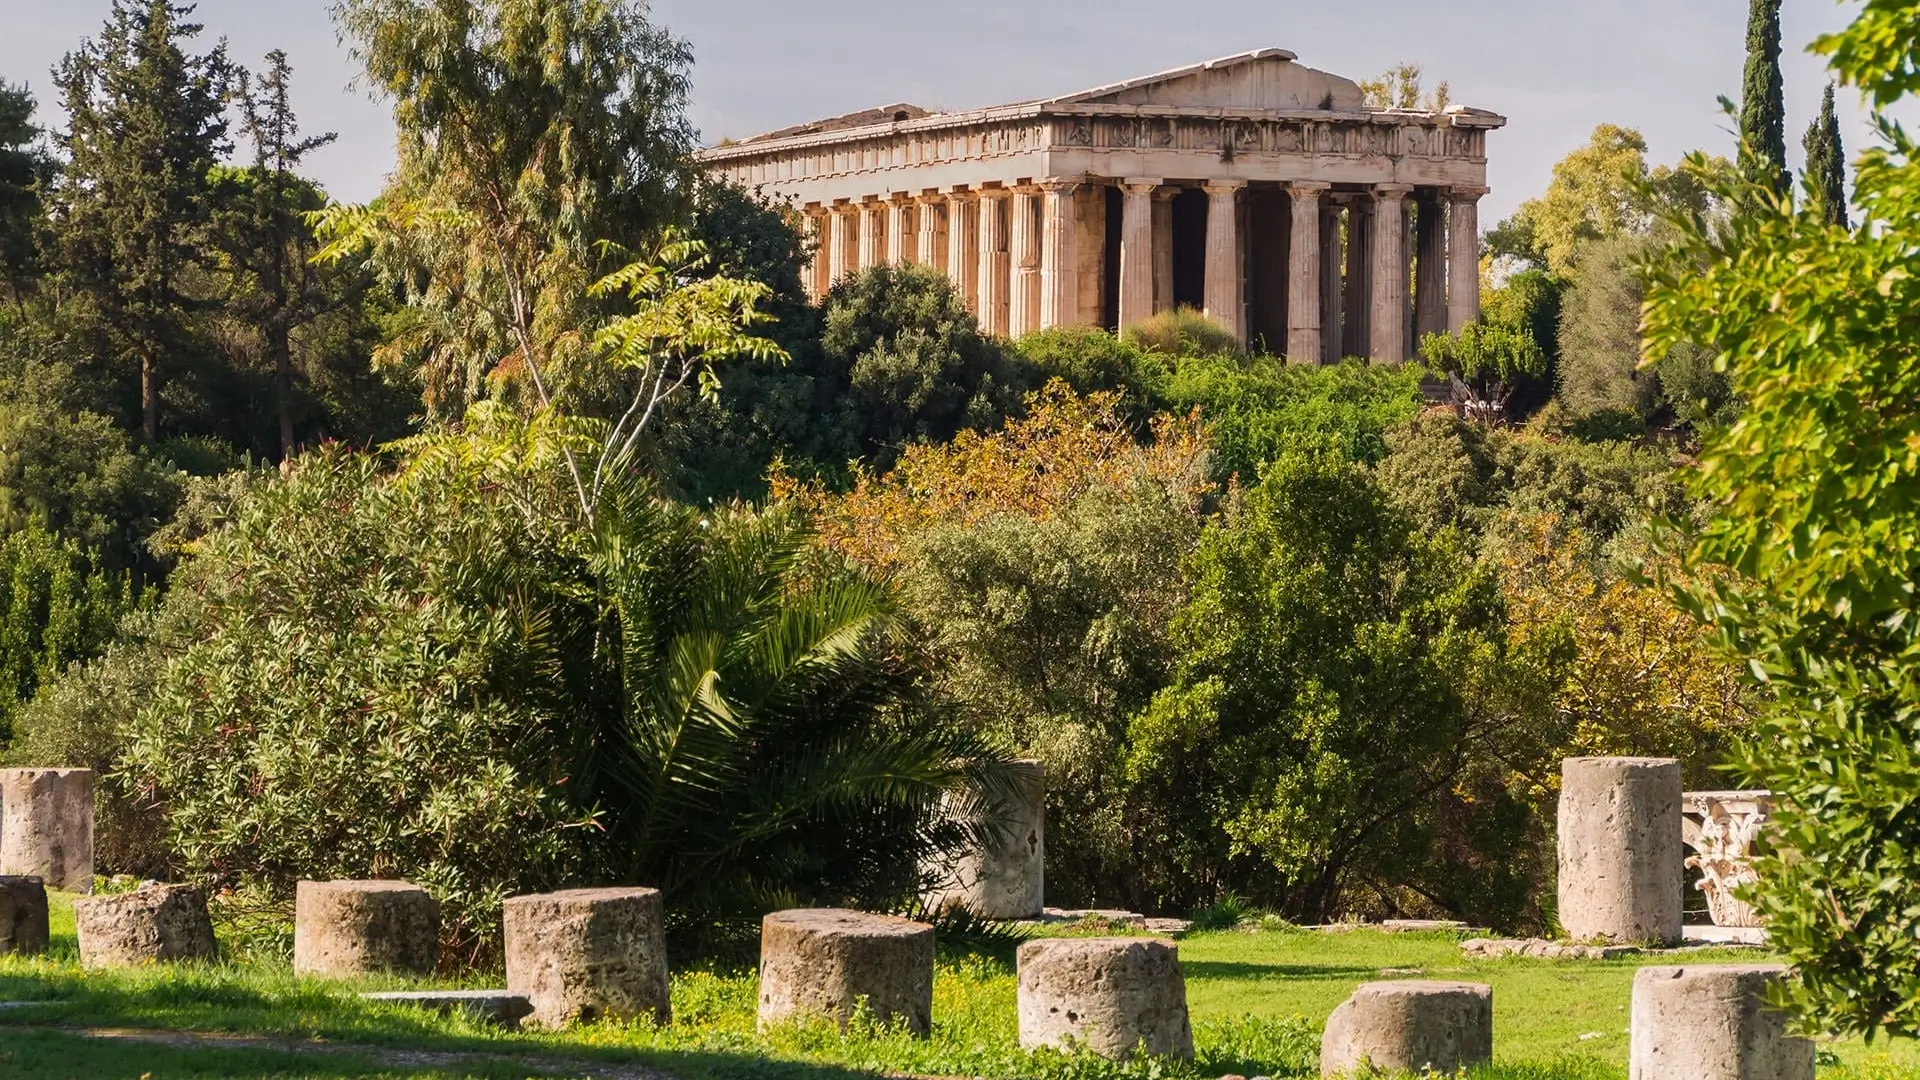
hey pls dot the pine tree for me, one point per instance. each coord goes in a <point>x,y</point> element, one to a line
<point>1763,124</point>
<point>1827,164</point>
<point>24,168</point>
<point>269,240</point>
<point>145,125</point>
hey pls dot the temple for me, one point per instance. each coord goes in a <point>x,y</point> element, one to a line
<point>1265,193</point>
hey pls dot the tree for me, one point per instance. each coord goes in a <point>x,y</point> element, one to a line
<point>1763,110</point>
<point>1826,164</point>
<point>1483,360</point>
<point>530,134</point>
<point>270,242</point>
<point>1809,558</point>
<point>24,169</point>
<point>1400,87</point>
<point>145,124</point>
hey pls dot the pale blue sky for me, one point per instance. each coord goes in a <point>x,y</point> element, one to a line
<point>1556,68</point>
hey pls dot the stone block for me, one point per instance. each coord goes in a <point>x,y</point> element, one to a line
<point>1622,865</point>
<point>1413,1026</point>
<point>500,1007</point>
<point>1114,996</point>
<point>1006,879</point>
<point>156,923</point>
<point>585,954</point>
<point>23,916</point>
<point>823,962</point>
<point>346,928</point>
<point>46,826</point>
<point>1712,1022</point>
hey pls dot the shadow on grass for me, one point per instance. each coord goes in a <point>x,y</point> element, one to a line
<point>1229,969</point>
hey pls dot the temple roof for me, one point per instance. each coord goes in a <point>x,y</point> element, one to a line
<point>884,114</point>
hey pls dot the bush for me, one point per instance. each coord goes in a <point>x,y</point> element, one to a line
<point>1342,696</point>
<point>1260,408</point>
<point>1183,332</point>
<point>1092,360</point>
<point>56,608</point>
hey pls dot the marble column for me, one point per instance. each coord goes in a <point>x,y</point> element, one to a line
<point>927,215</point>
<point>1059,271</point>
<point>1023,306</point>
<point>1136,251</point>
<point>1430,265</point>
<point>1303,274</point>
<point>1463,257</point>
<point>963,245</point>
<point>900,240</point>
<point>1163,249</point>
<point>1222,283</point>
<point>994,263</point>
<point>820,274</point>
<point>1388,336</point>
<point>840,244</point>
<point>1332,261</point>
<point>1354,337</point>
<point>873,229</point>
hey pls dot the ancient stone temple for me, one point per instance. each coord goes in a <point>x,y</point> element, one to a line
<point>1265,193</point>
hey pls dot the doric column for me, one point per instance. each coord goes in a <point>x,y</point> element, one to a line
<point>899,238</point>
<point>819,274</point>
<point>1023,305</point>
<point>928,214</point>
<point>1136,251</point>
<point>1354,338</point>
<point>1222,284</point>
<point>1332,260</point>
<point>1430,266</point>
<point>1163,249</point>
<point>1463,257</point>
<point>1059,276</point>
<point>873,227</point>
<point>842,247</point>
<point>963,242</point>
<point>994,263</point>
<point>1388,337</point>
<point>1303,275</point>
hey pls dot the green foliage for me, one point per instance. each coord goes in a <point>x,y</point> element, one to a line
<point>24,167</point>
<point>1324,626</point>
<point>145,124</point>
<point>56,608</point>
<point>1763,110</point>
<point>1260,407</point>
<point>354,680</point>
<point>1484,359</point>
<point>770,744</point>
<point>1183,331</point>
<point>1816,534</point>
<point>1053,633</point>
<point>1091,360</point>
<point>1826,164</point>
<point>914,361</point>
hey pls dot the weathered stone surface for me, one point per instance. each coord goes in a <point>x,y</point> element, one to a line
<point>1411,1025</point>
<point>1621,860</point>
<point>825,961</point>
<point>502,1007</point>
<point>1712,1023</point>
<point>23,916</point>
<point>1112,995</point>
<point>587,954</point>
<point>161,922</point>
<point>1005,879</point>
<point>46,826</point>
<point>1542,949</point>
<point>348,928</point>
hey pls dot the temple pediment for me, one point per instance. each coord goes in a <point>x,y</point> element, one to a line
<point>1266,79</point>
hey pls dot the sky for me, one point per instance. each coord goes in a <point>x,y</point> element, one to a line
<point>1555,68</point>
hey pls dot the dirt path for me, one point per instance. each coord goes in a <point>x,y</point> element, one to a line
<point>383,1056</point>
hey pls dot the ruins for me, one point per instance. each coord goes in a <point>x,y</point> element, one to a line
<point>1265,193</point>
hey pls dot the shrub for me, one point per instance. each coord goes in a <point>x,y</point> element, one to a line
<point>1262,407</point>
<point>1183,332</point>
<point>1092,360</point>
<point>56,608</point>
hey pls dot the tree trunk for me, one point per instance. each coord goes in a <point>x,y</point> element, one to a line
<point>149,398</point>
<point>283,385</point>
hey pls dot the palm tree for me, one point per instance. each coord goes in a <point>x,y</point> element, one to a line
<point>773,743</point>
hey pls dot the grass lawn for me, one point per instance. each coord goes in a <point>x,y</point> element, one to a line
<point>1258,1000</point>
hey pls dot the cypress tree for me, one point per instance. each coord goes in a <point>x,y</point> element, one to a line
<point>1827,164</point>
<point>1763,110</point>
<point>146,122</point>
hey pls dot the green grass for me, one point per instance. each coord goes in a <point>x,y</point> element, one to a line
<point>1258,1001</point>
